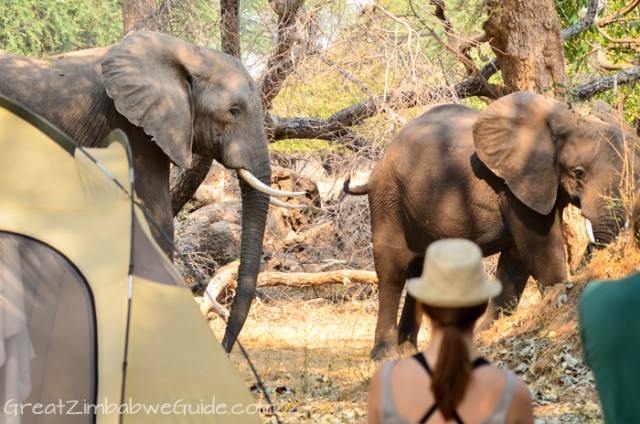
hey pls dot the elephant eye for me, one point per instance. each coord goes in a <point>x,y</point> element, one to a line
<point>579,173</point>
<point>234,111</point>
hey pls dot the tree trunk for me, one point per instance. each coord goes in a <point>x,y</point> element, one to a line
<point>526,37</point>
<point>230,27</point>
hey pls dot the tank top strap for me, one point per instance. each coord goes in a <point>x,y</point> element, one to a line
<point>479,362</point>
<point>423,361</point>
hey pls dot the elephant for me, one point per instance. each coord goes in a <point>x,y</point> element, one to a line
<point>172,99</point>
<point>500,177</point>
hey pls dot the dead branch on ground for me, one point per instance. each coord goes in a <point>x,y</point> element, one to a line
<point>227,275</point>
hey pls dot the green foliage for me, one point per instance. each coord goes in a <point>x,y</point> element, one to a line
<point>183,215</point>
<point>626,97</point>
<point>303,147</point>
<point>579,49</point>
<point>580,52</point>
<point>45,27</point>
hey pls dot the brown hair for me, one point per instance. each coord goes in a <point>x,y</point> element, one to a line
<point>452,373</point>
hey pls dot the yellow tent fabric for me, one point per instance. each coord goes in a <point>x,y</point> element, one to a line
<point>54,196</point>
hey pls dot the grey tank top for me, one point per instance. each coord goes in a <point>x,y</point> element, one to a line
<point>390,413</point>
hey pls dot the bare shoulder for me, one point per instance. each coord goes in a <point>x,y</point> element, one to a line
<point>376,378</point>
<point>375,385</point>
<point>410,371</point>
<point>521,408</point>
<point>375,397</point>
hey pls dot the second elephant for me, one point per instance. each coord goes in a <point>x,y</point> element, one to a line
<point>500,177</point>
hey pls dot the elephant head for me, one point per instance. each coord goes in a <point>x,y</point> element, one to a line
<point>194,99</point>
<point>189,99</point>
<point>549,155</point>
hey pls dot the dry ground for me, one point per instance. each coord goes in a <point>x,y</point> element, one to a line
<point>311,347</point>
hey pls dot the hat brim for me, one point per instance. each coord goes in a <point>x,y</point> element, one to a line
<point>424,293</point>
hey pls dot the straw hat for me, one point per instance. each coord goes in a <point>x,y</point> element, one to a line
<point>453,276</point>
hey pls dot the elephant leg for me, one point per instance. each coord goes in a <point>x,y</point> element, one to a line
<point>513,274</point>
<point>152,186</point>
<point>410,320</point>
<point>540,243</point>
<point>391,267</point>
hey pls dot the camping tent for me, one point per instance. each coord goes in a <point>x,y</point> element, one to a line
<point>96,325</point>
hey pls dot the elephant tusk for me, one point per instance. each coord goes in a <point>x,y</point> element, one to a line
<point>250,179</point>
<point>589,229</point>
<point>282,204</point>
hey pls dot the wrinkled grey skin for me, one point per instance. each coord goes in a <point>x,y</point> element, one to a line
<point>171,98</point>
<point>501,178</point>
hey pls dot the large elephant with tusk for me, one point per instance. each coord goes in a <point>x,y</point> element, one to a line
<point>172,99</point>
<point>500,177</point>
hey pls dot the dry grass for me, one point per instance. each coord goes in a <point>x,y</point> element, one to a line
<point>311,350</point>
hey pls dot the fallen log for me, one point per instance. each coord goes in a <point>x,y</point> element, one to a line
<point>307,279</point>
<point>228,274</point>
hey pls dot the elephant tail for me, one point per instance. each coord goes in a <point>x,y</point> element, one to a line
<point>357,190</point>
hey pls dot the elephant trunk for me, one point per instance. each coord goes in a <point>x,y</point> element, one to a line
<point>608,225</point>
<point>255,206</point>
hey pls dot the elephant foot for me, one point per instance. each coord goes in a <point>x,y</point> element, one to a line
<point>384,350</point>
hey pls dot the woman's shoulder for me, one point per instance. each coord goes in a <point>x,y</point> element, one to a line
<point>510,391</point>
<point>521,406</point>
<point>494,374</point>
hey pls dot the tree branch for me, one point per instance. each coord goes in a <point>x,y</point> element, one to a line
<point>455,45</point>
<point>338,125</point>
<point>605,63</point>
<point>227,277</point>
<point>613,40</point>
<point>584,23</point>
<point>615,16</point>
<point>590,89</point>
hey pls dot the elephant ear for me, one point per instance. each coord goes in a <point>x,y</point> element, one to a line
<point>514,137</point>
<point>146,76</point>
<point>605,112</point>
